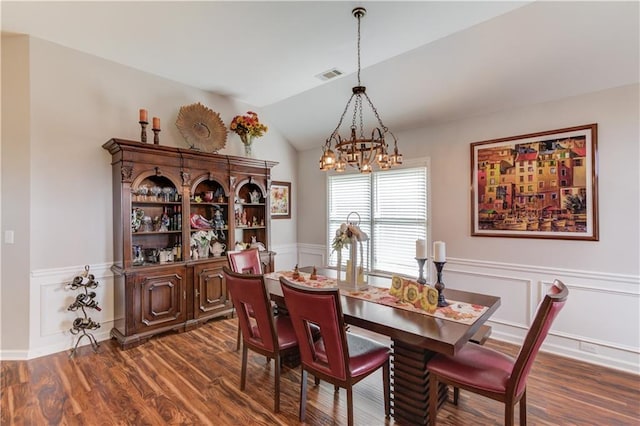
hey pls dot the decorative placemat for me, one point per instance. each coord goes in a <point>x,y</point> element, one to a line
<point>462,312</point>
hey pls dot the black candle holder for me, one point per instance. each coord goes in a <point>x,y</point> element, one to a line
<point>440,285</point>
<point>421,263</point>
<point>143,132</point>
<point>156,138</point>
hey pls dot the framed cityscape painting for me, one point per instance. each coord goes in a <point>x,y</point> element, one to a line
<point>280,200</point>
<point>538,185</point>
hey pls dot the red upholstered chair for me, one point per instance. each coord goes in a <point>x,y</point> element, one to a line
<point>271,336</point>
<point>491,373</point>
<point>244,262</point>
<point>338,357</point>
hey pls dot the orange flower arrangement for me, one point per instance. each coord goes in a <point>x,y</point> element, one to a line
<point>248,127</point>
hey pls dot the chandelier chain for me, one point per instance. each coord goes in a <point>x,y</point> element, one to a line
<point>359,150</point>
<point>346,108</point>
<point>359,17</point>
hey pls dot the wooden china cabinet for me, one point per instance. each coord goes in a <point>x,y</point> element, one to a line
<point>162,197</point>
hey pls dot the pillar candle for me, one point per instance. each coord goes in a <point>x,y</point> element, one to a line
<point>143,115</point>
<point>421,249</point>
<point>439,251</point>
<point>156,123</point>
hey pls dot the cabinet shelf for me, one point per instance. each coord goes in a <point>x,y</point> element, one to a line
<point>250,227</point>
<point>154,233</point>
<point>155,203</point>
<point>155,265</point>
<point>204,203</point>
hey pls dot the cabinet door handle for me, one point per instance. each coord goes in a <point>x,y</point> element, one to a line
<point>197,292</point>
<point>184,295</point>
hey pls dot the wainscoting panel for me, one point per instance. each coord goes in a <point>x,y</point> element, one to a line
<point>310,255</point>
<point>510,288</point>
<point>599,324</point>
<point>50,320</point>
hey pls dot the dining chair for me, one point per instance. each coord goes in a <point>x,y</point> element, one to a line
<point>244,262</point>
<point>491,373</point>
<point>337,357</point>
<point>262,332</point>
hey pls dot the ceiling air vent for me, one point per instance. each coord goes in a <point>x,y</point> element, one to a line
<point>328,75</point>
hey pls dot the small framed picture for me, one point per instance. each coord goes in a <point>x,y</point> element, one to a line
<point>280,199</point>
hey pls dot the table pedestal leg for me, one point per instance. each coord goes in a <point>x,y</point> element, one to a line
<point>410,390</point>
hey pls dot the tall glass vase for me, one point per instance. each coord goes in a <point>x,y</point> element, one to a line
<point>247,141</point>
<point>247,150</point>
<point>339,266</point>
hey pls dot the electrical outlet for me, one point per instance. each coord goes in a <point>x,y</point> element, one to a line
<point>589,347</point>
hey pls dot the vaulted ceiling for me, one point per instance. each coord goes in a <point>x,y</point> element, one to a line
<point>423,62</point>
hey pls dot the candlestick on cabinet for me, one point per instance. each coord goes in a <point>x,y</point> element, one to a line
<point>156,138</point>
<point>421,263</point>
<point>143,132</point>
<point>440,285</point>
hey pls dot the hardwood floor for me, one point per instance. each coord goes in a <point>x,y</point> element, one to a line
<point>193,378</point>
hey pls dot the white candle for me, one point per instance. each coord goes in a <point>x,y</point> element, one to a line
<point>421,249</point>
<point>439,251</point>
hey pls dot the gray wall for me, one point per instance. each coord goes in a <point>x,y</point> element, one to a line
<point>59,107</point>
<point>601,321</point>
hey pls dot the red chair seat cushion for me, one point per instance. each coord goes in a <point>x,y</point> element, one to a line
<point>365,355</point>
<point>475,366</point>
<point>284,329</point>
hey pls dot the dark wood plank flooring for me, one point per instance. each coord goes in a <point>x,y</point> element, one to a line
<point>192,378</point>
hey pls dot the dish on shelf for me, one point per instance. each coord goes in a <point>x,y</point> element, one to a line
<point>202,128</point>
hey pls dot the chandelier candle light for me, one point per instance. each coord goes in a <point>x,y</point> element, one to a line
<point>439,259</point>
<point>359,150</point>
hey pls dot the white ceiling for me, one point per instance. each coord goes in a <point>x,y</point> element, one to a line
<point>422,62</point>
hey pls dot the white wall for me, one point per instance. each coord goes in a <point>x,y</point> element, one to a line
<point>16,149</point>
<point>59,107</point>
<point>603,276</point>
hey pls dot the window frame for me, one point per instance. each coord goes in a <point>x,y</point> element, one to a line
<point>408,164</point>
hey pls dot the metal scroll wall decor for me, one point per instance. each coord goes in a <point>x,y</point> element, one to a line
<point>84,301</point>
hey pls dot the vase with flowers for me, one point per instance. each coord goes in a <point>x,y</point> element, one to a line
<point>200,243</point>
<point>248,127</point>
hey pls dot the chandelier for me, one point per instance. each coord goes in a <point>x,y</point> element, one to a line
<point>359,150</point>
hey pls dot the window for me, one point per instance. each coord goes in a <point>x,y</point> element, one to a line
<point>392,206</point>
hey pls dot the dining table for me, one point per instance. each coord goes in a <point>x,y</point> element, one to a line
<point>415,338</point>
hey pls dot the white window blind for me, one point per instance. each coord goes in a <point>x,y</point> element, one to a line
<point>392,206</point>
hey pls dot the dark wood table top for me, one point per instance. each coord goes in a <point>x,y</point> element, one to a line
<point>416,329</point>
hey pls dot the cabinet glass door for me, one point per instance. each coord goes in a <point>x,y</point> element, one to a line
<point>209,220</point>
<point>156,222</point>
